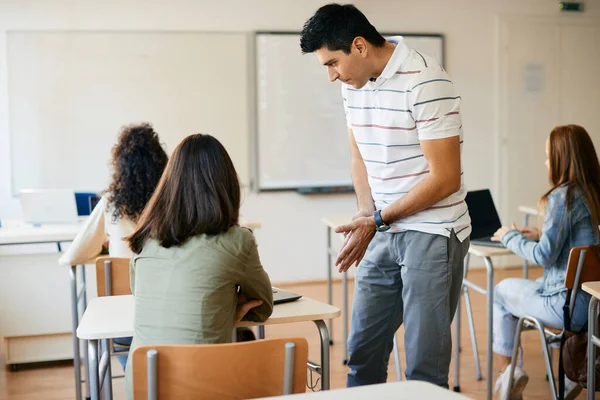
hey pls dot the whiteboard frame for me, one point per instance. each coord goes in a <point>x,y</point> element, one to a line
<point>255,182</point>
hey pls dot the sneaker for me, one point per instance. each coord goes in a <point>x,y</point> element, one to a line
<point>520,380</point>
<point>572,389</point>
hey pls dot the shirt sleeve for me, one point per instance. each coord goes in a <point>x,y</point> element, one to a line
<point>88,242</point>
<point>256,285</point>
<point>435,105</point>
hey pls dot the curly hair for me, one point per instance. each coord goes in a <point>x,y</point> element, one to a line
<point>138,161</point>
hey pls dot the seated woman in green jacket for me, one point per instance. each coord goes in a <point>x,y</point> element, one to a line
<point>196,271</point>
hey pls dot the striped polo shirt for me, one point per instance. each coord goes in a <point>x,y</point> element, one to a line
<point>412,100</point>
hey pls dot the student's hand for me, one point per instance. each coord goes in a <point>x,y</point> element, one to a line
<point>358,236</point>
<point>531,232</point>
<point>244,305</point>
<point>502,231</point>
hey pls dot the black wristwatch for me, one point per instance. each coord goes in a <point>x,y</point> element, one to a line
<point>381,226</point>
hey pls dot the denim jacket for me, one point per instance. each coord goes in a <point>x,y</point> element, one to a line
<point>563,229</point>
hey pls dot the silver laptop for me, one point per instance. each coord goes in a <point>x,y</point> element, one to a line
<point>49,206</point>
<point>283,296</point>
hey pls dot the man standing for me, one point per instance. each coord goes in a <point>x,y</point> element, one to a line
<point>411,232</point>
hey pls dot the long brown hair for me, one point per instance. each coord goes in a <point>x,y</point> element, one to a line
<point>199,192</point>
<point>573,161</point>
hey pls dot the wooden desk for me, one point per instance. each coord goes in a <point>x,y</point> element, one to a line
<point>114,316</point>
<point>20,233</point>
<point>593,288</point>
<point>486,253</point>
<point>15,232</point>
<point>407,390</point>
<point>331,223</point>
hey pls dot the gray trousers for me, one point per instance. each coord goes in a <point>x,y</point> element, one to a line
<point>413,278</point>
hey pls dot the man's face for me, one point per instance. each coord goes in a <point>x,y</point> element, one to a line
<point>351,69</point>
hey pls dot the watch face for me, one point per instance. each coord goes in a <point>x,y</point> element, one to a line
<point>383,228</point>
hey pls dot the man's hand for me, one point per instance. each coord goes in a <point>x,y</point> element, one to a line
<point>358,236</point>
<point>243,306</point>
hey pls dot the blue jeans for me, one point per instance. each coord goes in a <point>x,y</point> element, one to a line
<point>517,297</point>
<point>411,277</point>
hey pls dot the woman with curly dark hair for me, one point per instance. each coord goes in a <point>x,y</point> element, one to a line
<point>138,161</point>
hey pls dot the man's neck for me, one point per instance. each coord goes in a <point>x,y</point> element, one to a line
<point>382,57</point>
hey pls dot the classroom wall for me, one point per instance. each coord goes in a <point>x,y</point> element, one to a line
<point>292,240</point>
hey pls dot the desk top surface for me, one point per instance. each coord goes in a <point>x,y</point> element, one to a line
<point>485,251</point>
<point>337,220</point>
<point>111,317</point>
<point>403,390</point>
<point>528,210</point>
<point>18,232</point>
<point>592,288</point>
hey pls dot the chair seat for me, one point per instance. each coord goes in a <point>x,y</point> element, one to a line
<point>553,333</point>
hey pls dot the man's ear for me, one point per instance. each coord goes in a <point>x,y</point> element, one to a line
<point>359,44</point>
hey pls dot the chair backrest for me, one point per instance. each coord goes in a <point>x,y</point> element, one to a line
<point>112,276</point>
<point>590,268</point>
<point>583,266</point>
<point>220,371</point>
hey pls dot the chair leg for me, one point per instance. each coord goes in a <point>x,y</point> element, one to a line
<point>547,360</point>
<point>472,332</point>
<point>549,347</point>
<point>397,359</point>
<point>515,353</point>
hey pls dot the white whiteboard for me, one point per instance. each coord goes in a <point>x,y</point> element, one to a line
<point>70,92</point>
<point>301,133</point>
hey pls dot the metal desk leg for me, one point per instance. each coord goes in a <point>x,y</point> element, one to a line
<point>456,349</point>
<point>329,280</point>
<point>345,315</point>
<point>325,363</point>
<point>74,324</point>
<point>472,332</point>
<point>397,359</point>
<point>94,376</point>
<point>85,343</point>
<point>107,381</point>
<point>592,333</point>
<point>261,331</point>
<point>525,263</point>
<point>490,318</point>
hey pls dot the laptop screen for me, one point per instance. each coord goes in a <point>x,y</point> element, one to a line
<point>484,217</point>
<point>93,202</point>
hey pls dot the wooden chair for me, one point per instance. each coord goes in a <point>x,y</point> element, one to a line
<point>583,266</point>
<point>112,276</point>
<point>112,279</point>
<point>260,368</point>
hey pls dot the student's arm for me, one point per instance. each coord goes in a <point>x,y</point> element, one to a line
<point>255,283</point>
<point>360,179</point>
<point>554,235</point>
<point>88,242</point>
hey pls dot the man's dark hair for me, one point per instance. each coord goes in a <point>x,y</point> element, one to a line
<point>336,26</point>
